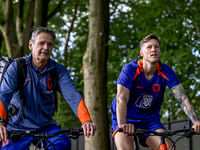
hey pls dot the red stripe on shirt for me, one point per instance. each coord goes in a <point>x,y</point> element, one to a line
<point>139,69</point>
<point>161,73</point>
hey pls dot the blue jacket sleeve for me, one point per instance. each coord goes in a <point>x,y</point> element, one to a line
<point>68,90</point>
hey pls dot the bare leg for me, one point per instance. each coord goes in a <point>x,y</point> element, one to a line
<point>154,141</point>
<point>124,142</point>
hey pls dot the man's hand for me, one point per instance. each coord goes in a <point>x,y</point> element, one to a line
<point>196,126</point>
<point>127,128</point>
<point>89,128</point>
<point>3,132</point>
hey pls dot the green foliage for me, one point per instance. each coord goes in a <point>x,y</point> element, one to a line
<point>3,51</point>
<point>1,14</point>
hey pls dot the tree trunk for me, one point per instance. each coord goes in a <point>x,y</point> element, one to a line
<point>1,39</point>
<point>8,28</point>
<point>16,35</point>
<point>94,71</point>
<point>38,14</point>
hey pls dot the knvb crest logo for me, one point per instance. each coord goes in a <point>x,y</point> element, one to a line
<point>156,88</point>
<point>49,83</point>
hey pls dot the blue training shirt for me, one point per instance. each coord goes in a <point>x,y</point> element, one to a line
<point>146,96</point>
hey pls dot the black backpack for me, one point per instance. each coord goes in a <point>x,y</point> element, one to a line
<point>22,72</point>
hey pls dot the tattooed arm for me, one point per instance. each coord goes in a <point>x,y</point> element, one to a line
<point>181,97</point>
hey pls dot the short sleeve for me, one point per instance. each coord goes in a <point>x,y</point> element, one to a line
<point>126,75</point>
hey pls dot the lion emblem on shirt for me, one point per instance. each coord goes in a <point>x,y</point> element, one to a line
<point>144,101</point>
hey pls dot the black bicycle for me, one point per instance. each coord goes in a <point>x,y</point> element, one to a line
<point>41,139</point>
<point>186,133</point>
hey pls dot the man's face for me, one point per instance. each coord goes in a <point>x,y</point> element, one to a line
<point>150,51</point>
<point>42,47</point>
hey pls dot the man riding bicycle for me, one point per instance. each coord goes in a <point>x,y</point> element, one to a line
<point>38,95</point>
<point>140,93</point>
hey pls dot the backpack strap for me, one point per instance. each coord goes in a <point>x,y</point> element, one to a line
<point>22,72</point>
<point>54,78</point>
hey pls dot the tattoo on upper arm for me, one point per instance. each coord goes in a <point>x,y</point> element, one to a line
<point>181,97</point>
<point>179,93</point>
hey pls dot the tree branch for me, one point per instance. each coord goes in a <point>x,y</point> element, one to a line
<point>1,39</point>
<point>56,10</point>
<point>19,21</point>
<point>69,31</point>
<point>196,18</point>
<point>28,25</point>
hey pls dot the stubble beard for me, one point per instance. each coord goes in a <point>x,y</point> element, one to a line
<point>152,62</point>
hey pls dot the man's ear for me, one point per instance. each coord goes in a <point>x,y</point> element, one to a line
<point>30,45</point>
<point>141,53</point>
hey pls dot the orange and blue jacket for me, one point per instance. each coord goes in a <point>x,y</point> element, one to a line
<point>38,96</point>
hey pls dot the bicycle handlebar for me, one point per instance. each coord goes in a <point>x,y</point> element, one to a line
<point>187,132</point>
<point>72,133</point>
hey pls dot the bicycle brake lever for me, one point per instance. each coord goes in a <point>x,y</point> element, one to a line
<point>74,134</point>
<point>190,133</point>
<point>136,133</point>
<point>120,130</point>
<point>14,137</point>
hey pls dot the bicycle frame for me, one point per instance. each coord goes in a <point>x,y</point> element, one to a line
<point>163,145</point>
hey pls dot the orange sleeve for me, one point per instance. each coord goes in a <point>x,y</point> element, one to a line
<point>3,113</point>
<point>83,113</point>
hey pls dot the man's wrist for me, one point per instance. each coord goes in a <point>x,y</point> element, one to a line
<point>2,120</point>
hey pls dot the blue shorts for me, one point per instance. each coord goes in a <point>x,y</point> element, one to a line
<point>153,125</point>
<point>61,141</point>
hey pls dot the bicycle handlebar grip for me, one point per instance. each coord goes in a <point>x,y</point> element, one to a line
<point>80,129</point>
<point>120,130</point>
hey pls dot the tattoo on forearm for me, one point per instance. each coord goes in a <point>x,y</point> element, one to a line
<point>184,102</point>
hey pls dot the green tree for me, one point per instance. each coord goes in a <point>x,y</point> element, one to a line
<point>19,19</point>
